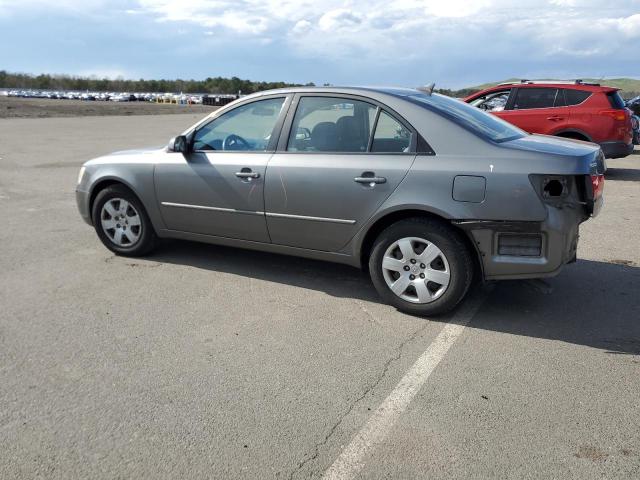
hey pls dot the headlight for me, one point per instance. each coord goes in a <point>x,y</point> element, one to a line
<point>81,174</point>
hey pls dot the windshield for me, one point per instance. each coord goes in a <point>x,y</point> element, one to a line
<point>481,123</point>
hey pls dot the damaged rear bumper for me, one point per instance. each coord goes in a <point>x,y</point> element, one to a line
<point>519,250</point>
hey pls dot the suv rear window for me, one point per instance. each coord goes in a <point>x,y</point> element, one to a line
<point>575,97</point>
<point>535,98</point>
<point>615,100</point>
<point>471,118</point>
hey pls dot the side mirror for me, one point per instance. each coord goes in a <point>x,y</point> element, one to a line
<point>178,144</point>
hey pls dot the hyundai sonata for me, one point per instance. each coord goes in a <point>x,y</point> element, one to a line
<point>422,190</point>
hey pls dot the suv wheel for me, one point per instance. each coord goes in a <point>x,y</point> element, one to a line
<point>122,223</point>
<point>421,266</point>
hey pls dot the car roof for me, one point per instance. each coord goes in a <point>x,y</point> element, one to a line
<point>353,90</point>
<point>589,87</point>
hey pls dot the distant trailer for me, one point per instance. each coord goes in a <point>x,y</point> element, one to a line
<point>218,100</point>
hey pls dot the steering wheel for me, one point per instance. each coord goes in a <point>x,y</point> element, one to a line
<point>235,142</point>
<point>304,131</point>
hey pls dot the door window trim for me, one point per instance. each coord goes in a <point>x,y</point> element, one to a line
<point>416,139</point>
<point>275,133</point>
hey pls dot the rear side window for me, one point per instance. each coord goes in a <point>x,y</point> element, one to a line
<point>326,124</point>
<point>390,136</point>
<point>576,97</point>
<point>535,98</point>
<point>615,100</point>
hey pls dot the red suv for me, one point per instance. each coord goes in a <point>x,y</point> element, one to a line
<point>583,111</point>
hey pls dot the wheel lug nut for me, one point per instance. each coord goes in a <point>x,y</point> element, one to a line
<point>422,265</point>
<point>422,275</point>
<point>412,277</point>
<point>413,260</point>
<point>406,268</point>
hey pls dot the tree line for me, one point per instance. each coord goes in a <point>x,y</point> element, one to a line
<point>70,82</point>
<point>221,85</point>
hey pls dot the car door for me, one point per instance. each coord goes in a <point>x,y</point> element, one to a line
<point>537,110</point>
<point>331,172</point>
<point>218,187</point>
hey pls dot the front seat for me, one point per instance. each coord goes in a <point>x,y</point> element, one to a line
<point>324,137</point>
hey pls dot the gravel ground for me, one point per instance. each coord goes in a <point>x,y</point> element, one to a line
<point>12,107</point>
<point>211,362</point>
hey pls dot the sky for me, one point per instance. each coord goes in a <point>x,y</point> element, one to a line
<point>454,43</point>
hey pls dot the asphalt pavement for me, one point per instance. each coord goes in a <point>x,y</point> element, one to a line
<point>209,362</point>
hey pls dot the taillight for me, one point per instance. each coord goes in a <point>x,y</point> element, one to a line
<point>619,115</point>
<point>597,185</point>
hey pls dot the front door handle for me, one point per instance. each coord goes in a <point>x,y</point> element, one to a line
<point>372,180</point>
<point>247,174</point>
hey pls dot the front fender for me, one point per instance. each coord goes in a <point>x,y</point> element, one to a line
<point>138,178</point>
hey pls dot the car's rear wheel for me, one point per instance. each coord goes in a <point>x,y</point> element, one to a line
<point>122,223</point>
<point>421,266</point>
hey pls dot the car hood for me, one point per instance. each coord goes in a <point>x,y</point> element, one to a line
<point>125,155</point>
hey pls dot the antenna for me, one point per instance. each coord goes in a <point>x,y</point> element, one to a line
<point>427,89</point>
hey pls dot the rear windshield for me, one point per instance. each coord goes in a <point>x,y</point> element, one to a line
<point>615,100</point>
<point>471,118</point>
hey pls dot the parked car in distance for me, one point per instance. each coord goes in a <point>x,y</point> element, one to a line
<point>582,111</point>
<point>420,189</point>
<point>633,104</point>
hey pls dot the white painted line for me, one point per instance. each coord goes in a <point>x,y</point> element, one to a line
<point>351,460</point>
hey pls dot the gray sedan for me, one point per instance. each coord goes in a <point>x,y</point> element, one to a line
<point>424,191</point>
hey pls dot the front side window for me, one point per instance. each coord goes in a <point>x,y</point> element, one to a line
<point>390,135</point>
<point>527,98</point>
<point>247,127</point>
<point>327,124</point>
<point>492,102</point>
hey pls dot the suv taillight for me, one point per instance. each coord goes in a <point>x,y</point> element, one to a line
<point>619,115</point>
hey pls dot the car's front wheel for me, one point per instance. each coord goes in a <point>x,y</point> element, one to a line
<point>421,266</point>
<point>122,223</point>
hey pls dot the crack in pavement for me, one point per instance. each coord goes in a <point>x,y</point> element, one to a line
<point>369,315</point>
<point>368,389</point>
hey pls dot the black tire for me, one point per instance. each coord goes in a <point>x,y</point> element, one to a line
<point>147,238</point>
<point>451,244</point>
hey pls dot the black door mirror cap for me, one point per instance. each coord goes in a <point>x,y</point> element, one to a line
<point>179,144</point>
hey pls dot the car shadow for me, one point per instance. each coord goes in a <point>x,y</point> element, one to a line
<point>623,174</point>
<point>334,279</point>
<point>594,304</point>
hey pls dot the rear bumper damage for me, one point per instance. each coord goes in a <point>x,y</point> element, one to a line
<point>519,250</point>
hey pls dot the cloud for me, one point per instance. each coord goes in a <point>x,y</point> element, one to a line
<point>352,40</point>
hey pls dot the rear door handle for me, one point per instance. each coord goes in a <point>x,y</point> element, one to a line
<point>555,118</point>
<point>248,174</point>
<point>370,180</point>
